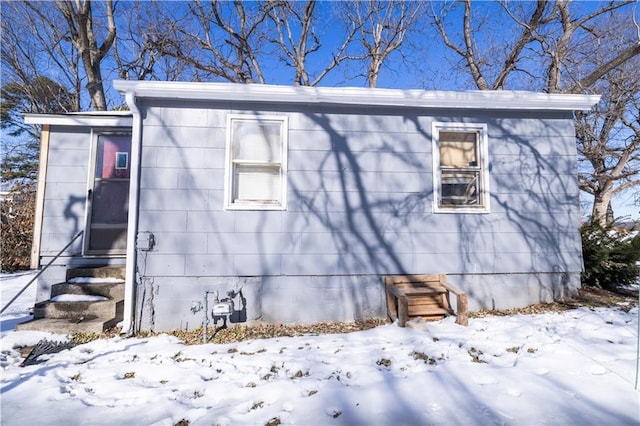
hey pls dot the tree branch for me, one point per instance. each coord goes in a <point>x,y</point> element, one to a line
<point>525,37</point>
<point>597,74</point>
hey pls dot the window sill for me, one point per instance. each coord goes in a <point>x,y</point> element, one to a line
<point>255,206</point>
<point>465,210</point>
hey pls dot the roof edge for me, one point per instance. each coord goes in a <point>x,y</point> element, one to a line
<point>91,118</point>
<point>498,99</point>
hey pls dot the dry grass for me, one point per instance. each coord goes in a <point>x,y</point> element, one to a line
<point>267,331</point>
<point>589,297</point>
<point>240,333</point>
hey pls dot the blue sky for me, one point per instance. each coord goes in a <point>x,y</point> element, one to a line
<point>426,63</point>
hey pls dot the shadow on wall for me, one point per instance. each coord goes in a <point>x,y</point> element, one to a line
<point>364,221</point>
<point>358,227</point>
<point>77,221</point>
<point>545,212</point>
<point>371,221</point>
<point>532,227</point>
<point>533,224</point>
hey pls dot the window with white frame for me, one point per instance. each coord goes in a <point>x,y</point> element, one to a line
<point>256,162</point>
<point>461,182</point>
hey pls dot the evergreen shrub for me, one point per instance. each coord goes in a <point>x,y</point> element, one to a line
<point>610,255</point>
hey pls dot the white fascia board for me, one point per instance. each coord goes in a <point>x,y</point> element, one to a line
<point>509,100</point>
<point>89,119</point>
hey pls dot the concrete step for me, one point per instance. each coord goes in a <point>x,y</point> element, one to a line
<point>97,272</point>
<point>106,289</point>
<point>79,309</point>
<point>87,316</point>
<point>67,326</point>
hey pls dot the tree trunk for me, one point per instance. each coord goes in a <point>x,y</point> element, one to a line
<point>79,18</point>
<point>95,86</point>
<point>602,212</point>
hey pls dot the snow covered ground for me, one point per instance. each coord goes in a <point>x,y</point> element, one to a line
<point>573,368</point>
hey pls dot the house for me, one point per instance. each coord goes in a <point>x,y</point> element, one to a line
<point>294,203</point>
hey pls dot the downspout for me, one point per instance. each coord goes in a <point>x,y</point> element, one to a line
<point>128,325</point>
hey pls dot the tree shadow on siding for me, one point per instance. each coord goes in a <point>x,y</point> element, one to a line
<point>355,229</point>
<point>530,231</point>
<point>78,224</point>
<point>367,225</point>
<point>534,215</point>
<point>170,182</point>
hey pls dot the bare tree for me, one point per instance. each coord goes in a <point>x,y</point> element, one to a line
<point>79,18</point>
<point>216,39</point>
<point>550,26</point>
<point>31,50</point>
<point>134,51</point>
<point>382,27</point>
<point>26,88</point>
<point>82,31</point>
<point>297,38</point>
<point>142,58</point>
<point>609,140</point>
<point>74,43</point>
<point>237,41</point>
<point>560,51</point>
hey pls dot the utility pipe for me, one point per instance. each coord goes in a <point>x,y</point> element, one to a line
<point>128,326</point>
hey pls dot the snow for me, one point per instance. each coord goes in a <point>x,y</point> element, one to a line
<point>88,280</point>
<point>18,311</point>
<point>78,298</point>
<point>576,367</point>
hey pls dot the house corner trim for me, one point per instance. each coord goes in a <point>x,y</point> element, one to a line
<point>40,191</point>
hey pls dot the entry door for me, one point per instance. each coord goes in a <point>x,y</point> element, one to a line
<point>108,197</point>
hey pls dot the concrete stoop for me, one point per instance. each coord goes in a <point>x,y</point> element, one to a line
<point>81,316</point>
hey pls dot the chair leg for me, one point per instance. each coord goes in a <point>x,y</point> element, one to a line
<point>392,307</point>
<point>462,316</point>
<point>403,311</point>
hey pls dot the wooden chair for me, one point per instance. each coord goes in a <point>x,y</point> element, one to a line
<point>425,296</point>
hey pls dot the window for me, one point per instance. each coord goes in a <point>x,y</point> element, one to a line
<point>460,178</point>
<point>256,162</point>
<point>122,160</point>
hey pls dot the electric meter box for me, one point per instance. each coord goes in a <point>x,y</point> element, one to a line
<point>223,308</point>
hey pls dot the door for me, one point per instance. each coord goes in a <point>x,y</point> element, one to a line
<point>108,196</point>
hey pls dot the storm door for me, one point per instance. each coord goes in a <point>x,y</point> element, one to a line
<point>108,196</point>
